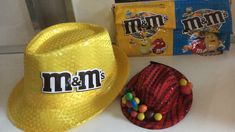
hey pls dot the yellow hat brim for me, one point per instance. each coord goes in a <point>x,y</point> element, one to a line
<point>15,104</point>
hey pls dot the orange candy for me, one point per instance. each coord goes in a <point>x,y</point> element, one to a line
<point>143,108</point>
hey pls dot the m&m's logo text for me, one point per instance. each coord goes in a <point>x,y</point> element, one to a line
<point>61,82</point>
<point>143,22</point>
<point>204,20</point>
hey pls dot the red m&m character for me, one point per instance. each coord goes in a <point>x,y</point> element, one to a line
<point>158,46</point>
<point>198,46</point>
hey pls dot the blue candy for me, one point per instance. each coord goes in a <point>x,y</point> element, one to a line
<point>129,111</point>
<point>134,105</point>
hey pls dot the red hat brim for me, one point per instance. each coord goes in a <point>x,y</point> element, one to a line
<point>180,106</point>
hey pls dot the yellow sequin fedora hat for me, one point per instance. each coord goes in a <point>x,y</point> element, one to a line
<point>71,73</point>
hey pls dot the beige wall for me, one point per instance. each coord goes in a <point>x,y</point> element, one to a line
<point>15,24</point>
<point>96,12</point>
<point>52,12</point>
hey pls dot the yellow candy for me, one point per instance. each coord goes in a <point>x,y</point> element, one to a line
<point>124,100</point>
<point>141,116</point>
<point>137,100</point>
<point>158,116</point>
<point>183,82</point>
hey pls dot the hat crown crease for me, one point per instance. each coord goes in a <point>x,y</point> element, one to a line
<point>43,43</point>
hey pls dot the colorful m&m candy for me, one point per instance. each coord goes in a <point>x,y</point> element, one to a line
<point>158,116</point>
<point>129,96</point>
<point>143,108</point>
<point>183,82</point>
<point>141,116</point>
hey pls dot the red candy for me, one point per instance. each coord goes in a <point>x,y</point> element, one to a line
<point>129,105</point>
<point>134,114</point>
<point>143,108</point>
<point>187,90</point>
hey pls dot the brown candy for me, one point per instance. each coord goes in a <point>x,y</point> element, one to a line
<point>149,114</point>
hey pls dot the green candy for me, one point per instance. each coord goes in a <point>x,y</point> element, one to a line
<point>136,108</point>
<point>129,96</point>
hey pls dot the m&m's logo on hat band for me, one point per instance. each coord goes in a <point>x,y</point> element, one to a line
<point>62,82</point>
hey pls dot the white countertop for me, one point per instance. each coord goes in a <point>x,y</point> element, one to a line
<point>213,108</point>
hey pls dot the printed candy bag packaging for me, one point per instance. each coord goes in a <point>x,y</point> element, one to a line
<point>203,27</point>
<point>125,1</point>
<point>173,27</point>
<point>145,28</point>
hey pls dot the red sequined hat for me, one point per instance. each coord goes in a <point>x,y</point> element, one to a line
<point>158,97</point>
